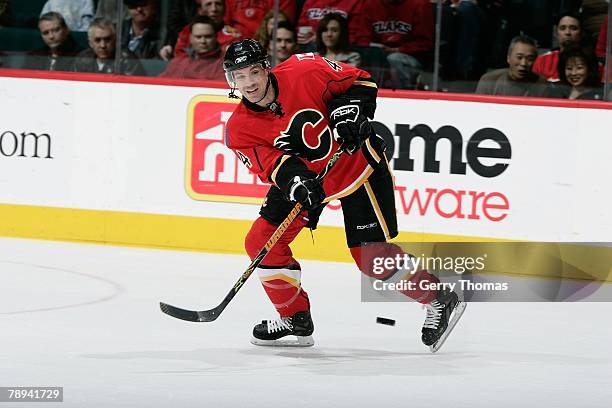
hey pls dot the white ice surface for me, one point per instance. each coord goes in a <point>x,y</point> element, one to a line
<point>86,317</point>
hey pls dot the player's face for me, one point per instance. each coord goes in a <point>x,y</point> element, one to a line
<point>214,9</point>
<point>520,60</point>
<point>102,41</point>
<point>568,31</point>
<point>203,38</point>
<point>285,44</point>
<point>331,35</point>
<point>53,34</point>
<point>251,82</point>
<point>576,71</point>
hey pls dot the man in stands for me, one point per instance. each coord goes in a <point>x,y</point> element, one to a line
<point>569,35</point>
<point>215,9</point>
<point>518,79</point>
<point>203,60</point>
<point>60,48</point>
<point>141,31</point>
<point>100,57</point>
<point>286,44</point>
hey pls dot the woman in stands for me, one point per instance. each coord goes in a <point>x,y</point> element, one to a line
<point>578,76</point>
<point>264,32</point>
<point>333,40</point>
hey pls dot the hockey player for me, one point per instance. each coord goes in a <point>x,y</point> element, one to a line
<point>282,131</point>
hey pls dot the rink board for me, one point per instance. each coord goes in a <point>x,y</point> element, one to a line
<point>142,162</point>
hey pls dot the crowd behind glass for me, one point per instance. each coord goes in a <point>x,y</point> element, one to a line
<point>540,48</point>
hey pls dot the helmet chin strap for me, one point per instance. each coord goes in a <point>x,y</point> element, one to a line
<point>232,93</point>
<point>274,106</point>
<point>266,91</point>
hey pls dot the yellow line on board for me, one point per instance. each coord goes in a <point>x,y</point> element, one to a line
<point>181,232</point>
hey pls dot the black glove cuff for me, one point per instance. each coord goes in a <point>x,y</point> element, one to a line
<point>289,168</point>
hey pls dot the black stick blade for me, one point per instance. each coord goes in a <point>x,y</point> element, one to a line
<point>189,315</point>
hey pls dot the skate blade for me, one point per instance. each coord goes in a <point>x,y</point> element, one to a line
<point>457,313</point>
<point>296,341</point>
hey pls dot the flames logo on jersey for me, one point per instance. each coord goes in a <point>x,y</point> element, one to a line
<point>307,135</point>
<point>392,26</point>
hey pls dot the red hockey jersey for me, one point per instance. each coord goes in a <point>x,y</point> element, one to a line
<point>407,24</point>
<point>263,140</point>
<point>314,10</point>
<point>247,15</point>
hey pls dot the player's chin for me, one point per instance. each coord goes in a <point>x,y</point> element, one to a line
<point>251,95</point>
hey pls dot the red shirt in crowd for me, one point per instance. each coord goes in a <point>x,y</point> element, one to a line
<point>314,10</point>
<point>207,66</point>
<point>246,15</point>
<point>407,25</point>
<point>546,65</point>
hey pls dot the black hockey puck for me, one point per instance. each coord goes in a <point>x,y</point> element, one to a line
<point>384,320</point>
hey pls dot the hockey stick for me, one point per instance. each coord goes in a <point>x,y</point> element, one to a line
<point>212,314</point>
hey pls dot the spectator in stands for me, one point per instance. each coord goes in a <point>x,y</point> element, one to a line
<point>100,57</point>
<point>518,79</point>
<point>286,41</point>
<point>141,31</point>
<point>60,48</point>
<point>215,9</point>
<point>264,32</point>
<point>314,10</point>
<point>180,14</point>
<point>246,15</point>
<point>204,59</point>
<point>333,42</point>
<point>77,13</point>
<point>578,76</point>
<point>569,34</point>
<point>405,30</point>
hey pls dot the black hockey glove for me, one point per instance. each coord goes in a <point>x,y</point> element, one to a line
<point>350,125</point>
<point>308,191</point>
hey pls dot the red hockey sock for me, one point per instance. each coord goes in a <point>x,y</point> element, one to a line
<point>284,289</point>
